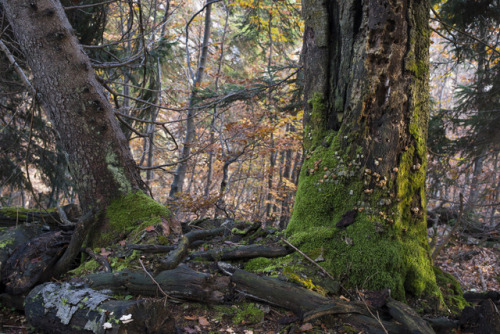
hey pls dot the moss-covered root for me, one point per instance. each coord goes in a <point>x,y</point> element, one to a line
<point>128,215</point>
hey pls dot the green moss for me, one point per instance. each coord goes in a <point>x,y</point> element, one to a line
<point>85,268</point>
<point>451,290</point>
<point>20,212</point>
<point>129,215</point>
<point>259,264</point>
<point>386,246</point>
<point>315,127</point>
<point>248,313</point>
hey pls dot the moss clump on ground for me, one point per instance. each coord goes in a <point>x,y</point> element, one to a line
<point>248,313</point>
<point>128,216</point>
<point>85,268</point>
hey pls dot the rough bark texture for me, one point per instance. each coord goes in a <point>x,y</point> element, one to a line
<point>98,154</point>
<point>366,87</point>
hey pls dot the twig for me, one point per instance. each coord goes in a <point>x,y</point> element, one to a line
<point>101,259</point>
<point>377,317</point>
<point>308,258</point>
<point>152,279</point>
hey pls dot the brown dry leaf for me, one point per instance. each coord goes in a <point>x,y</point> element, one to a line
<point>203,321</point>
<point>122,243</point>
<point>149,228</point>
<point>190,317</point>
<point>105,253</point>
<point>344,298</point>
<point>306,327</point>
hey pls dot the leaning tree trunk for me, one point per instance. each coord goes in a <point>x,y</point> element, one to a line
<point>361,195</point>
<point>98,154</point>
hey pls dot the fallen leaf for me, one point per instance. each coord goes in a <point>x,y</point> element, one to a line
<point>190,317</point>
<point>105,252</point>
<point>203,321</point>
<point>122,243</point>
<point>149,228</point>
<point>306,327</point>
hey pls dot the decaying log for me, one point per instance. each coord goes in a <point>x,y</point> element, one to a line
<point>181,282</point>
<point>13,216</point>
<point>31,263</point>
<point>408,317</point>
<point>369,325</point>
<point>242,252</point>
<point>69,308</point>
<point>13,238</point>
<point>305,303</point>
<point>176,256</point>
<point>483,318</point>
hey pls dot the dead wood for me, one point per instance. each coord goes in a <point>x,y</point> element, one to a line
<point>10,217</point>
<point>305,303</point>
<point>13,238</point>
<point>181,282</point>
<point>32,262</point>
<point>152,249</point>
<point>177,255</point>
<point>484,318</point>
<point>368,325</point>
<point>69,308</point>
<point>242,252</point>
<point>408,317</point>
<point>84,225</point>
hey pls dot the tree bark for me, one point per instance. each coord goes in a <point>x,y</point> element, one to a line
<point>366,87</point>
<point>98,154</point>
<point>180,172</point>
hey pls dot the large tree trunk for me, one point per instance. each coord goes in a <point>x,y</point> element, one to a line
<point>361,194</point>
<point>99,157</point>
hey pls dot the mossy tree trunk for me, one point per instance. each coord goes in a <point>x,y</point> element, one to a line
<point>361,195</point>
<point>98,154</point>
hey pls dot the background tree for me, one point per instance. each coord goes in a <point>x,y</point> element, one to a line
<point>361,195</point>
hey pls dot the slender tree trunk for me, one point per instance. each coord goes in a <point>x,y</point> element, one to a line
<point>180,173</point>
<point>214,116</point>
<point>361,194</point>
<point>98,153</point>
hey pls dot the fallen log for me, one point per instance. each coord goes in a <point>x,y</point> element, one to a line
<point>180,283</point>
<point>305,303</point>
<point>32,262</point>
<point>13,238</point>
<point>242,252</point>
<point>69,308</point>
<point>408,317</point>
<point>13,216</point>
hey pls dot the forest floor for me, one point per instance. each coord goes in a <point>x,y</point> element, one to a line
<point>476,268</point>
